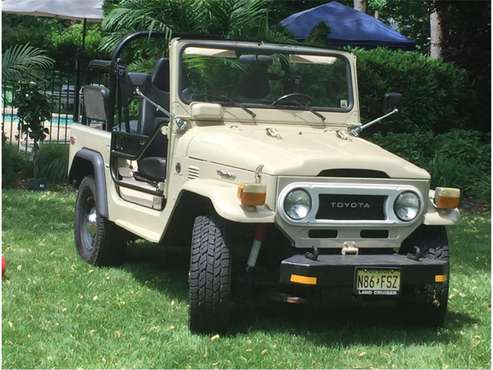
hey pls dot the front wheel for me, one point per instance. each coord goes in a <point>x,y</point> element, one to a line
<point>98,240</point>
<point>210,276</point>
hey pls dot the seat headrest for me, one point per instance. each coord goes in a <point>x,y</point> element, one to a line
<point>160,74</point>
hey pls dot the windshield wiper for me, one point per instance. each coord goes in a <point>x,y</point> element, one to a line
<point>249,111</point>
<point>227,98</point>
<point>308,108</point>
<point>321,116</point>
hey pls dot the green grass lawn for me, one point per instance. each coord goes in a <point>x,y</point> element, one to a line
<point>60,312</point>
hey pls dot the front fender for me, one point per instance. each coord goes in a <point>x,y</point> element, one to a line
<point>434,216</point>
<point>223,197</point>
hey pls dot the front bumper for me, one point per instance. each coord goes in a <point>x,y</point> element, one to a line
<point>340,270</point>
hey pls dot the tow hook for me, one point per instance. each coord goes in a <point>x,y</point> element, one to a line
<point>417,254</point>
<point>255,249</point>
<point>312,255</point>
<point>349,249</point>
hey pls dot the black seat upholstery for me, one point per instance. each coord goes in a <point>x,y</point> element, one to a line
<point>152,166</point>
<point>155,88</point>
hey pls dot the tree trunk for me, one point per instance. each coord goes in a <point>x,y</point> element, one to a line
<point>35,159</point>
<point>435,34</point>
<point>360,5</point>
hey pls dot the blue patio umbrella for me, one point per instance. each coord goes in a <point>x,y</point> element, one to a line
<point>347,26</point>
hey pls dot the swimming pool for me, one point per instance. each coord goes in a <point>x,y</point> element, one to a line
<point>56,119</point>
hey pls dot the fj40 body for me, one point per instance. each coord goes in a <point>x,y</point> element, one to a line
<point>248,156</point>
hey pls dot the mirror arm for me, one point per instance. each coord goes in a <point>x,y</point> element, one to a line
<point>356,131</point>
<point>156,105</point>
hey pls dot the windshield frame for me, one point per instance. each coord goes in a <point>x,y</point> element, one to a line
<point>271,49</point>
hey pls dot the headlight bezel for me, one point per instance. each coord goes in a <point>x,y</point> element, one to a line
<point>418,207</point>
<point>309,206</point>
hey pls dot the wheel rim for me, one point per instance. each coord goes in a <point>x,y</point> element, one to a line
<point>89,224</point>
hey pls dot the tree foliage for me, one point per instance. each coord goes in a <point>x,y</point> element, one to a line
<point>60,38</point>
<point>230,19</point>
<point>33,109</point>
<point>437,95</point>
<point>23,61</point>
<point>411,18</point>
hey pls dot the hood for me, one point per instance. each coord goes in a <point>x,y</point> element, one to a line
<point>294,151</point>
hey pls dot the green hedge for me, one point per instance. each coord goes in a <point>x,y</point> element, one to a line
<point>15,165</point>
<point>458,158</point>
<point>436,96</point>
<point>53,161</point>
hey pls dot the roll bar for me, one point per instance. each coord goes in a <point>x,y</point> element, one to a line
<point>128,39</point>
<point>157,34</point>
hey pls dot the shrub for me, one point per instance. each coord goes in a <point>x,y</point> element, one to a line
<point>15,165</point>
<point>416,147</point>
<point>459,158</point>
<point>53,161</point>
<point>436,96</point>
<point>33,110</point>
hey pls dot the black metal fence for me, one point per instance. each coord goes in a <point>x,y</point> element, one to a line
<point>59,89</point>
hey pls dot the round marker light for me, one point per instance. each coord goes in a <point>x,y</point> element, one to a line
<point>297,204</point>
<point>407,205</point>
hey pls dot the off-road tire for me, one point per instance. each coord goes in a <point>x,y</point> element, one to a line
<point>433,243</point>
<point>209,277</point>
<point>107,246</point>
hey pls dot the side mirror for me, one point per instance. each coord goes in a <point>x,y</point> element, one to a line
<point>391,101</point>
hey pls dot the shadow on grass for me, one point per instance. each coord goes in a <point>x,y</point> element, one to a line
<point>341,324</point>
<point>159,269</point>
<point>347,324</point>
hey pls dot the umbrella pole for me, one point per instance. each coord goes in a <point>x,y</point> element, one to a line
<point>77,68</point>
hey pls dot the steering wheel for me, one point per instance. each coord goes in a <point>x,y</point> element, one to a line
<point>292,95</point>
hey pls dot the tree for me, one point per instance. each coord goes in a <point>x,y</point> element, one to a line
<point>361,5</point>
<point>466,41</point>
<point>59,37</point>
<point>411,18</point>
<point>435,33</point>
<point>23,61</point>
<point>235,19</point>
<point>33,109</point>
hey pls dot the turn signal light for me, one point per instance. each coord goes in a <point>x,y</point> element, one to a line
<point>447,198</point>
<point>300,279</point>
<point>252,194</point>
<point>440,278</point>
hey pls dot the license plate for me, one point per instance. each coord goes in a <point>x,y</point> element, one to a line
<point>377,281</point>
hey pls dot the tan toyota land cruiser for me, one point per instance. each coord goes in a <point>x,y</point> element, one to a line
<point>248,156</point>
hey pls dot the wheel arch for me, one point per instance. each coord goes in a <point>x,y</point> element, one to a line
<point>202,196</point>
<point>188,206</point>
<point>88,162</point>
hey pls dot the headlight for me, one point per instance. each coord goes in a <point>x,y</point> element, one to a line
<point>407,205</point>
<point>297,204</point>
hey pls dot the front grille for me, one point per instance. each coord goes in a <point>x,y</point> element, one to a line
<point>351,207</point>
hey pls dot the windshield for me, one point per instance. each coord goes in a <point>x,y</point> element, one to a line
<point>294,81</point>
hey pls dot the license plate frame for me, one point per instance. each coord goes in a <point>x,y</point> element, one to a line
<point>378,273</point>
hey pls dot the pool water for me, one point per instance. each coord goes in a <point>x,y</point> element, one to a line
<point>56,119</point>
